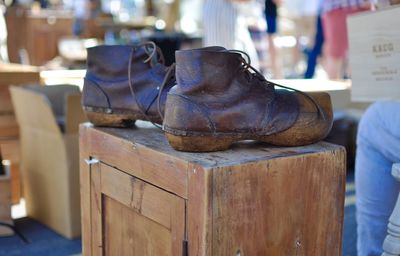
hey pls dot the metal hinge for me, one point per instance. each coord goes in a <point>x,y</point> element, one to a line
<point>92,161</point>
<point>185,248</point>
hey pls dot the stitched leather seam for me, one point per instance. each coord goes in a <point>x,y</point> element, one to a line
<point>99,87</point>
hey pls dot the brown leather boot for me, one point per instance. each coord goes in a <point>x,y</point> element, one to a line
<point>220,99</point>
<point>122,84</point>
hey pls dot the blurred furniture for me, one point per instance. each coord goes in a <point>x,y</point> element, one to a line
<point>53,77</point>
<point>48,118</point>
<point>38,32</point>
<point>16,32</point>
<point>43,30</point>
<point>141,197</point>
<point>338,90</point>
<point>74,49</point>
<point>12,74</point>
<point>110,23</point>
<point>391,245</point>
<point>344,133</point>
<point>5,204</point>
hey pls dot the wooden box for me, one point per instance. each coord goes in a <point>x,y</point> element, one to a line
<point>140,197</point>
<point>374,41</point>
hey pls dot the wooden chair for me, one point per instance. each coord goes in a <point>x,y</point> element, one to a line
<point>391,245</point>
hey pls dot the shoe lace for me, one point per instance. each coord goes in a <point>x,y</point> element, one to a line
<point>247,68</point>
<point>168,76</point>
<point>155,55</point>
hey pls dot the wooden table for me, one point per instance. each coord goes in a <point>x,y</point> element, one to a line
<point>141,197</point>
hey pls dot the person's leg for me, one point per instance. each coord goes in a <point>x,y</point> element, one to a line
<point>336,40</point>
<point>378,147</point>
<point>219,22</point>
<point>272,49</point>
<point>334,67</point>
<point>316,50</point>
<point>334,25</point>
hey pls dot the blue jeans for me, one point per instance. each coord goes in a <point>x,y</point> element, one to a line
<point>316,50</point>
<point>378,147</point>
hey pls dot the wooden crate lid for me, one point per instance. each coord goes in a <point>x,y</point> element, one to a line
<point>145,135</point>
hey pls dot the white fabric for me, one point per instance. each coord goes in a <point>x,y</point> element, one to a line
<point>3,37</point>
<point>223,26</point>
<point>300,8</point>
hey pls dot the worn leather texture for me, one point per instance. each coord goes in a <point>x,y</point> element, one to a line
<point>106,83</point>
<point>215,94</point>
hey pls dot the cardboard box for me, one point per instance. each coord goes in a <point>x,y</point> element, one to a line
<point>374,41</point>
<point>48,118</point>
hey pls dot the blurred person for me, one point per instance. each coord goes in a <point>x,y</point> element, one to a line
<point>303,14</point>
<point>81,14</point>
<point>84,13</point>
<point>334,14</point>
<point>225,26</point>
<point>316,50</point>
<point>378,148</point>
<point>3,35</point>
<point>271,16</point>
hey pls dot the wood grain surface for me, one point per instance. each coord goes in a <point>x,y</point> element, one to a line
<point>284,206</point>
<point>253,199</point>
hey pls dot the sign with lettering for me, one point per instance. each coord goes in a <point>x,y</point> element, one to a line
<point>374,41</point>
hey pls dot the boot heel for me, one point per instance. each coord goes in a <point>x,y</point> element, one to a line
<point>198,143</point>
<point>110,120</point>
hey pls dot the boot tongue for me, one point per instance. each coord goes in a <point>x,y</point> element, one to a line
<point>283,112</point>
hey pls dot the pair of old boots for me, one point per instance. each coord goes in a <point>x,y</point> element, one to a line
<point>212,98</point>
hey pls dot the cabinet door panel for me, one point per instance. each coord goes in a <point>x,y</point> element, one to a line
<point>132,217</point>
<point>146,199</point>
<point>128,233</point>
